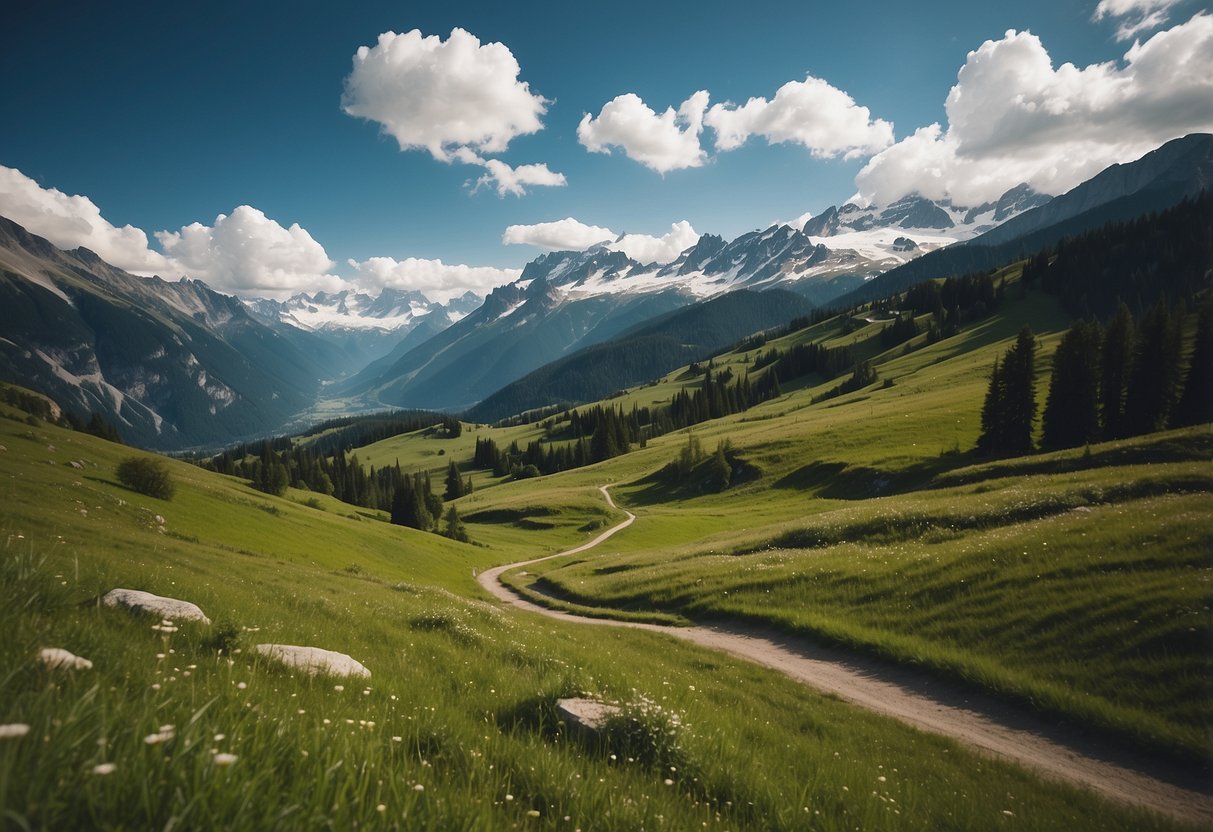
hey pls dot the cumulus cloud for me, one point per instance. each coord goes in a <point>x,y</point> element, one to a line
<point>811,113</point>
<point>456,98</point>
<point>435,95</point>
<point>574,235</point>
<point>646,248</point>
<point>438,281</point>
<point>1013,117</point>
<point>509,180</point>
<point>247,253</point>
<point>1137,15</point>
<point>567,234</point>
<point>73,221</point>
<point>665,142</point>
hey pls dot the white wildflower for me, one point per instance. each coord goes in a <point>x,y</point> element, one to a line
<point>224,759</point>
<point>13,731</point>
<point>104,768</point>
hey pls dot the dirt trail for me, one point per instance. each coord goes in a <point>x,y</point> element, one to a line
<point>981,722</point>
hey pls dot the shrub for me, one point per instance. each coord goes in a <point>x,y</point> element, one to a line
<point>147,475</point>
<point>647,733</point>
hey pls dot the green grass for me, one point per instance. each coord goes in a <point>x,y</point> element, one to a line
<point>467,688</point>
<point>873,525</point>
<point>868,523</point>
<point>1086,594</point>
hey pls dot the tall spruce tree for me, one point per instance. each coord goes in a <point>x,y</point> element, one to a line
<point>1195,406</point>
<point>454,482</point>
<point>1115,365</point>
<point>990,440</point>
<point>1154,381</point>
<point>1010,403</point>
<point>1071,414</point>
<point>1019,395</point>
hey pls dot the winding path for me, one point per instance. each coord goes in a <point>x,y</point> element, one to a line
<point>981,722</point>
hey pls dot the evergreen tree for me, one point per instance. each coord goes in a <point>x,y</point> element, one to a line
<point>402,506</point>
<point>720,473</point>
<point>455,529</point>
<point>1154,381</point>
<point>1019,398</point>
<point>1195,406</point>
<point>454,482</point>
<point>1116,360</point>
<point>1010,404</point>
<point>1071,414</point>
<point>990,440</point>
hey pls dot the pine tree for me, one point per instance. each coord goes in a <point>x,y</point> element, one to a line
<point>455,529</point>
<point>1010,404</point>
<point>990,440</point>
<point>1116,359</point>
<point>1154,381</point>
<point>454,482</point>
<point>1195,406</point>
<point>1019,397</point>
<point>402,506</point>
<point>1071,414</point>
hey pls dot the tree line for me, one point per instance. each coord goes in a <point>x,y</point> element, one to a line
<point>1138,262</point>
<point>1125,379</point>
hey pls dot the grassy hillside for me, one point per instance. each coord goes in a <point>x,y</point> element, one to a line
<point>456,727</point>
<point>1071,581</point>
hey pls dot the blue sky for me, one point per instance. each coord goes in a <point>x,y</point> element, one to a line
<point>165,115</point>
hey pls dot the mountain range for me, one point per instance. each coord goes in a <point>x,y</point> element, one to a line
<point>176,364</point>
<point>366,327</point>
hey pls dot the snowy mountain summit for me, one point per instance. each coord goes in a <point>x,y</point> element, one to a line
<point>392,309</point>
<point>831,253</point>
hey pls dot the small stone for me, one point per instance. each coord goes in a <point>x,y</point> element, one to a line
<point>587,714</point>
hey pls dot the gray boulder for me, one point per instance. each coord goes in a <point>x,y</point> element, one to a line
<point>314,661</point>
<point>171,609</point>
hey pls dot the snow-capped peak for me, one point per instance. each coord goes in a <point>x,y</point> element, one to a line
<point>390,310</point>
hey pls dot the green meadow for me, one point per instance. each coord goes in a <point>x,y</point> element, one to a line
<point>1076,582</point>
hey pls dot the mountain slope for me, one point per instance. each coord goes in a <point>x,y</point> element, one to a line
<point>644,352</point>
<point>520,327</point>
<point>364,328</point>
<point>1164,177</point>
<point>568,300</point>
<point>170,364</point>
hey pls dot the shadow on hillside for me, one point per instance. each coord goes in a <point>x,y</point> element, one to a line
<point>840,481</point>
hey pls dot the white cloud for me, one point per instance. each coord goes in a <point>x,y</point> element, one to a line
<point>811,113</point>
<point>249,254</point>
<point>436,280</point>
<point>665,142</point>
<point>645,248</point>
<point>73,221</point>
<point>437,95</point>
<point>567,234</point>
<point>573,235</point>
<point>456,98</point>
<point>509,180</point>
<point>1013,117</point>
<point>1139,15</point>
